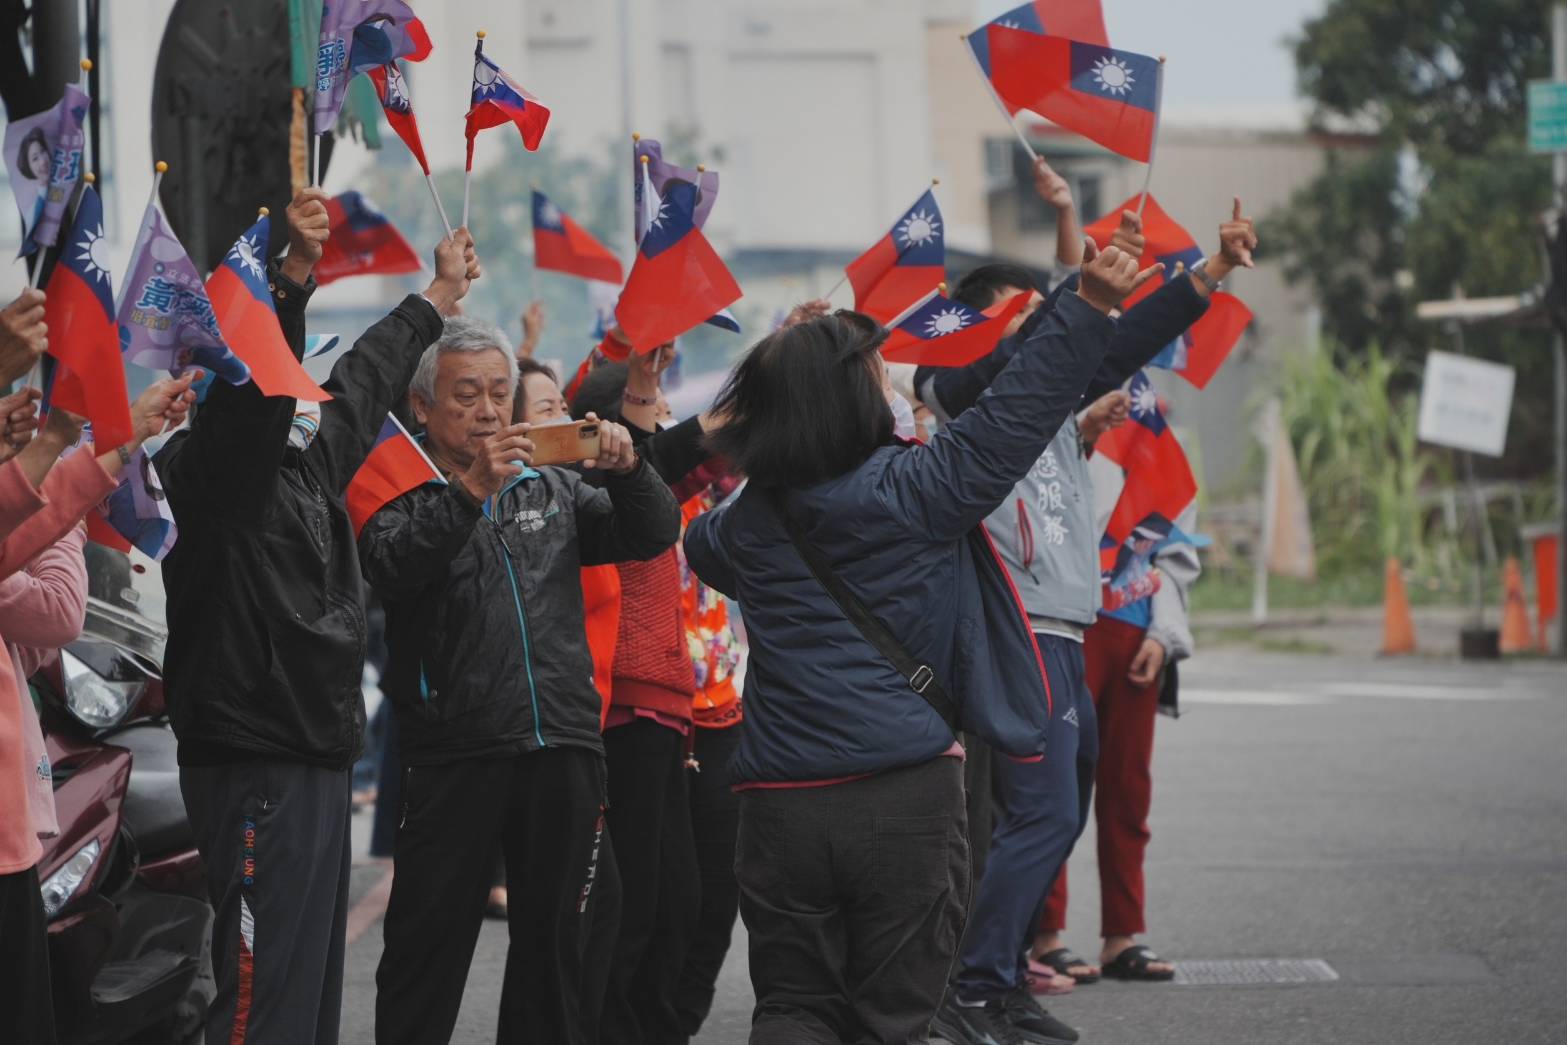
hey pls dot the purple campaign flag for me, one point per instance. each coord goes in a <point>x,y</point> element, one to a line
<point>44,156</point>
<point>356,36</point>
<point>165,317</point>
<point>658,173</point>
<point>138,509</point>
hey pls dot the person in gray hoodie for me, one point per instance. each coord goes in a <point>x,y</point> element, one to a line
<point>1046,535</point>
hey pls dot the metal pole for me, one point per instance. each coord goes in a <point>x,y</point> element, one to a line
<point>618,153</point>
<point>1559,172</point>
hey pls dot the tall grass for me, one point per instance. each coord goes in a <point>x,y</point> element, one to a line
<point>1353,423</point>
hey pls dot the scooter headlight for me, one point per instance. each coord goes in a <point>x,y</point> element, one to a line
<point>59,887</point>
<point>96,701</point>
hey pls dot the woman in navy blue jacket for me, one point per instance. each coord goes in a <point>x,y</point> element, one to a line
<point>852,854</point>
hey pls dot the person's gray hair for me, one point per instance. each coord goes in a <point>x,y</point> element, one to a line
<point>461,334</point>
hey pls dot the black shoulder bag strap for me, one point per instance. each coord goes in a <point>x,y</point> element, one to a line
<point>921,678</point>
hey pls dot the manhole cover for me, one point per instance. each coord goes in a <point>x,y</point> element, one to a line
<point>1253,972</point>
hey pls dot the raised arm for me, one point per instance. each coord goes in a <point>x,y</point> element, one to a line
<point>226,463</point>
<point>948,487</point>
<point>633,517</point>
<point>372,376</point>
<point>44,605</point>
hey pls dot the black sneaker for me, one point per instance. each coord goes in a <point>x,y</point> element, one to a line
<point>985,1024</point>
<point>1033,1022</point>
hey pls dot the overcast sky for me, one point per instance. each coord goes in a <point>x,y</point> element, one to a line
<point>1223,54</point>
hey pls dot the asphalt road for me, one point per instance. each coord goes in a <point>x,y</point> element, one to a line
<point>1404,822</point>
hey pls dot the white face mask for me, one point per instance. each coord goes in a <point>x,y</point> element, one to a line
<point>902,416</point>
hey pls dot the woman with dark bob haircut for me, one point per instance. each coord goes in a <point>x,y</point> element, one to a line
<point>852,853</point>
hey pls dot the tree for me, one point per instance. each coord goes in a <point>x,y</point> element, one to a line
<point>1449,199</point>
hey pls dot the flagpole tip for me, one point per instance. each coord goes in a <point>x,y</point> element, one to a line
<point>942,287</point>
<point>935,181</point>
<point>480,34</point>
<point>86,65</point>
<point>1162,59</point>
<point>635,136</point>
<point>161,167</point>
<point>90,178</point>
<point>701,168</point>
<point>262,212</point>
<point>646,159</point>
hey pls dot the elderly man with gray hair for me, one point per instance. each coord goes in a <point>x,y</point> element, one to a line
<point>492,680</point>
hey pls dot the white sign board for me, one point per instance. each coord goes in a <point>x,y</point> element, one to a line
<point>1465,403</point>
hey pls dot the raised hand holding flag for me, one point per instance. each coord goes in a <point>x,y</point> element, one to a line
<point>242,302</point>
<point>496,99</point>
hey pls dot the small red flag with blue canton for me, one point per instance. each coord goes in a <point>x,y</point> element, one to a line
<point>941,332</point>
<point>1108,96</point>
<point>395,465</point>
<point>903,266</point>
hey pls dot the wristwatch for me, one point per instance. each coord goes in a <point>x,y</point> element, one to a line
<point>1199,271</point>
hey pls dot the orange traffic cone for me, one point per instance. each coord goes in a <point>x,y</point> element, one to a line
<point>1398,627</point>
<point>1515,611</point>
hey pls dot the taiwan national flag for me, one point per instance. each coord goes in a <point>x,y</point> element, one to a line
<point>651,176</point>
<point>561,245</point>
<point>1107,96</point>
<point>1127,569</point>
<point>1159,480</point>
<point>1081,20</point>
<point>396,464</point>
<point>392,89</point>
<point>942,332</point>
<point>678,280</point>
<point>1199,352</point>
<point>903,266</point>
<point>357,36</point>
<point>242,302</point>
<point>79,309</point>
<point>497,99</point>
<point>362,242</point>
<point>166,319</point>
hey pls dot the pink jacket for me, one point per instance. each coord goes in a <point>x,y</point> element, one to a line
<point>41,609</point>
<point>31,521</point>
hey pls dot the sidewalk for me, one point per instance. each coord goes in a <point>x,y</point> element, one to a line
<point>1334,631</point>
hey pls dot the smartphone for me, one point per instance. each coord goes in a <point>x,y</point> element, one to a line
<point>565,443</point>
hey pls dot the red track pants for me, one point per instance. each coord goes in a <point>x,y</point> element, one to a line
<point>1123,785</point>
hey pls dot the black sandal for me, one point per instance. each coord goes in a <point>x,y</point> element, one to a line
<point>1062,960</point>
<point>1133,964</point>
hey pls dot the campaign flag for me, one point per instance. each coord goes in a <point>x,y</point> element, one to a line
<point>677,280</point>
<point>1108,96</point>
<point>498,99</point>
<point>1128,574</point>
<point>903,266</point>
<point>166,319</point>
<point>44,154</point>
<point>79,309</point>
<point>651,180</point>
<point>1202,348</point>
<point>362,242</point>
<point>357,36</point>
<point>941,332</point>
<point>392,89</point>
<point>1159,480</point>
<point>242,301</point>
<point>1081,20</point>
<point>137,511</point>
<point>561,245</point>
<point>601,300</point>
<point>396,464</point>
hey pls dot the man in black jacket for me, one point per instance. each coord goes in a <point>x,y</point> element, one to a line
<point>491,676</point>
<point>266,648</point>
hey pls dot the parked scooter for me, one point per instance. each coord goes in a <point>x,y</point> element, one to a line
<point>129,921</point>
